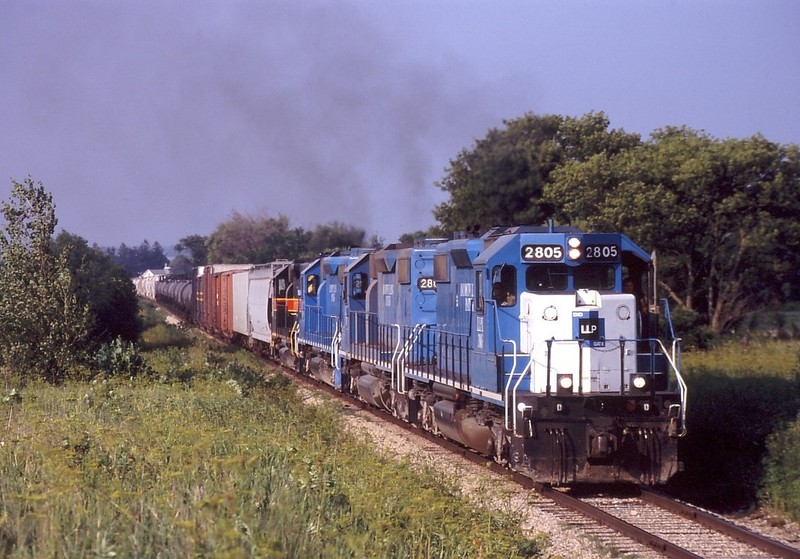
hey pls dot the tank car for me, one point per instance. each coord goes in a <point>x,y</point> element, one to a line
<point>537,346</point>
<point>175,294</point>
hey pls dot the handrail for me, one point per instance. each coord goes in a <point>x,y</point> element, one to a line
<point>403,356</point>
<point>668,318</point>
<point>293,341</point>
<point>395,354</point>
<point>499,334</point>
<point>335,344</point>
<point>682,383</point>
<point>516,385</point>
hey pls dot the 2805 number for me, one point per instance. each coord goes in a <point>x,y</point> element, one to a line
<point>531,253</point>
<point>602,252</point>
<point>426,282</point>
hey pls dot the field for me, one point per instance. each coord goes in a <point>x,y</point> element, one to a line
<point>211,454</point>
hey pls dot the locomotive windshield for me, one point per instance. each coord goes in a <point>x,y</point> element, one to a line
<point>547,277</point>
<point>594,276</point>
<point>555,277</point>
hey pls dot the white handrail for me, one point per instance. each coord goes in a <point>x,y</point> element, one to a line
<point>682,383</point>
<point>395,355</point>
<point>401,359</point>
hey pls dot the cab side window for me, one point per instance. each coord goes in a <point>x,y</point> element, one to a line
<point>312,284</point>
<point>504,285</point>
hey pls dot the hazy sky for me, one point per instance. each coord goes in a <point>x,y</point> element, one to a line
<point>158,119</point>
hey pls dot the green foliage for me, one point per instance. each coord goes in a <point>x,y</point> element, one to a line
<point>163,336</point>
<point>502,179</point>
<point>740,398</point>
<point>196,245</point>
<point>251,239</point>
<point>781,487</point>
<point>334,236</point>
<point>45,325</point>
<point>719,213</point>
<point>103,287</point>
<point>692,329</point>
<point>120,357</point>
<point>150,469</point>
<point>261,239</point>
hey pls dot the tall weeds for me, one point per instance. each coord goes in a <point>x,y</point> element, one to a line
<point>216,459</point>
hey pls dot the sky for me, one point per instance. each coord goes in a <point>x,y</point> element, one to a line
<point>155,120</point>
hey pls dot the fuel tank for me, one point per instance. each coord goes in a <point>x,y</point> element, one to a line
<point>375,391</point>
<point>456,424</point>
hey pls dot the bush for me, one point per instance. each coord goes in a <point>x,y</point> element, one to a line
<point>164,336</point>
<point>781,488</point>
<point>739,398</point>
<point>690,327</point>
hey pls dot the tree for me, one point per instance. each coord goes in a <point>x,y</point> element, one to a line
<point>334,236</point>
<point>104,288</point>
<point>434,232</point>
<point>248,239</point>
<point>500,181</point>
<point>196,245</point>
<point>719,213</point>
<point>44,327</point>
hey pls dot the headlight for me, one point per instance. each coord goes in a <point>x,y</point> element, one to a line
<point>574,252</point>
<point>565,382</point>
<point>639,382</point>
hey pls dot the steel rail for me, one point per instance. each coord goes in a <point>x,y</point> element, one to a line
<point>719,524</point>
<point>626,529</point>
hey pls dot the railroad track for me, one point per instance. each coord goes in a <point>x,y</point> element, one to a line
<point>669,527</point>
<point>626,519</point>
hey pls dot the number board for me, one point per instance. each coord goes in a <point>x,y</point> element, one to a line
<point>542,253</point>
<point>602,253</point>
<point>426,283</point>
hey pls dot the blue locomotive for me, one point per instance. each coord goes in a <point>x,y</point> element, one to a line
<point>537,346</point>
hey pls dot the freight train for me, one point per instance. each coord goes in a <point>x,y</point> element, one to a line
<point>542,347</point>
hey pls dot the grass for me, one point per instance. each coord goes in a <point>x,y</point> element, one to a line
<point>213,455</point>
<point>754,357</point>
